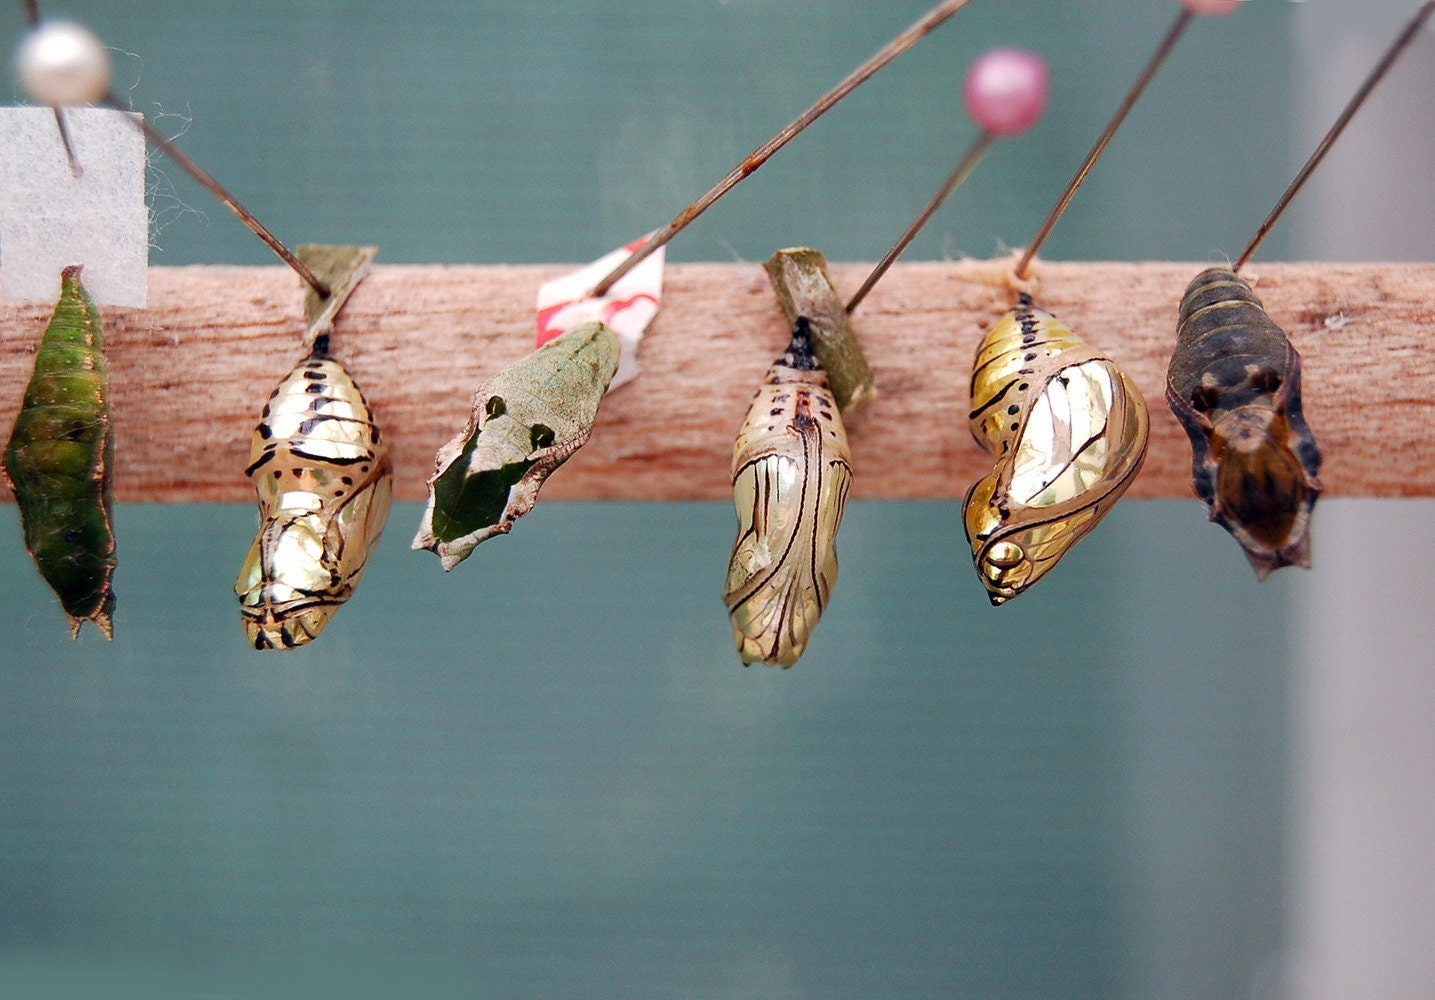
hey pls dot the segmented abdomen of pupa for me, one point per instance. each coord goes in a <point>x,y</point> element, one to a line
<point>60,457</point>
<point>1234,384</point>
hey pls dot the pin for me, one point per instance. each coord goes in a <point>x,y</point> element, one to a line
<point>1066,426</point>
<point>533,415</point>
<point>1005,94</point>
<point>1234,382</point>
<point>1397,47</point>
<point>932,20</point>
<point>62,64</point>
<point>1189,9</point>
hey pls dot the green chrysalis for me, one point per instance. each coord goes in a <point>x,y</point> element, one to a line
<point>59,460</point>
<point>525,422</point>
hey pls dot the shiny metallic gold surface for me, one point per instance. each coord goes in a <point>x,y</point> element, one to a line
<point>791,476</point>
<point>1068,430</point>
<point>324,482</point>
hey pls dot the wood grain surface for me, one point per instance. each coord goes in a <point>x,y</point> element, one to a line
<point>190,373</point>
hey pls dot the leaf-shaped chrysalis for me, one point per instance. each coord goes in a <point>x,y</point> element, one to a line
<point>525,422</point>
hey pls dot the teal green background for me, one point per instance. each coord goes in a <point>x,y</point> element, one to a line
<point>545,774</point>
<point>524,777</point>
<point>547,131</point>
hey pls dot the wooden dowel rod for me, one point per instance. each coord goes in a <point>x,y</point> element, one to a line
<point>190,373</point>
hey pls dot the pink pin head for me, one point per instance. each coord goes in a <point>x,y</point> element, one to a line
<point>1005,91</point>
<point>1217,7</point>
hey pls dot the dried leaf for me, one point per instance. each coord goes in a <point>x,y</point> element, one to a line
<point>804,290</point>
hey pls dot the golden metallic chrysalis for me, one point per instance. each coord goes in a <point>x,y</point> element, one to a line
<point>1068,430</point>
<point>791,472</point>
<point>324,482</point>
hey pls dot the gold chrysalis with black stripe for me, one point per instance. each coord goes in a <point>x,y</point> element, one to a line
<point>791,472</point>
<point>324,482</point>
<point>1234,383</point>
<point>1068,430</point>
<point>59,460</point>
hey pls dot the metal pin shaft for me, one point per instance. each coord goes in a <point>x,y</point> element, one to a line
<point>1401,42</point>
<point>213,187</point>
<point>974,155</point>
<point>32,10</point>
<point>1162,51</point>
<point>928,23</point>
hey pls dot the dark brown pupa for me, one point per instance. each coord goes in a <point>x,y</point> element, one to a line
<point>1234,383</point>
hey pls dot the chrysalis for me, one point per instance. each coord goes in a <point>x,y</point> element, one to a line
<point>1068,430</point>
<point>525,422</point>
<point>59,461</point>
<point>324,483</point>
<point>791,472</point>
<point>1234,383</point>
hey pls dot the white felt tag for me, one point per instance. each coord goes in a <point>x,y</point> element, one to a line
<point>50,219</point>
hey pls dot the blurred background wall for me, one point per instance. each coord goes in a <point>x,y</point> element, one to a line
<point>1363,789</point>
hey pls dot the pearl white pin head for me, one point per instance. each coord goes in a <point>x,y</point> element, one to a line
<point>61,63</point>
